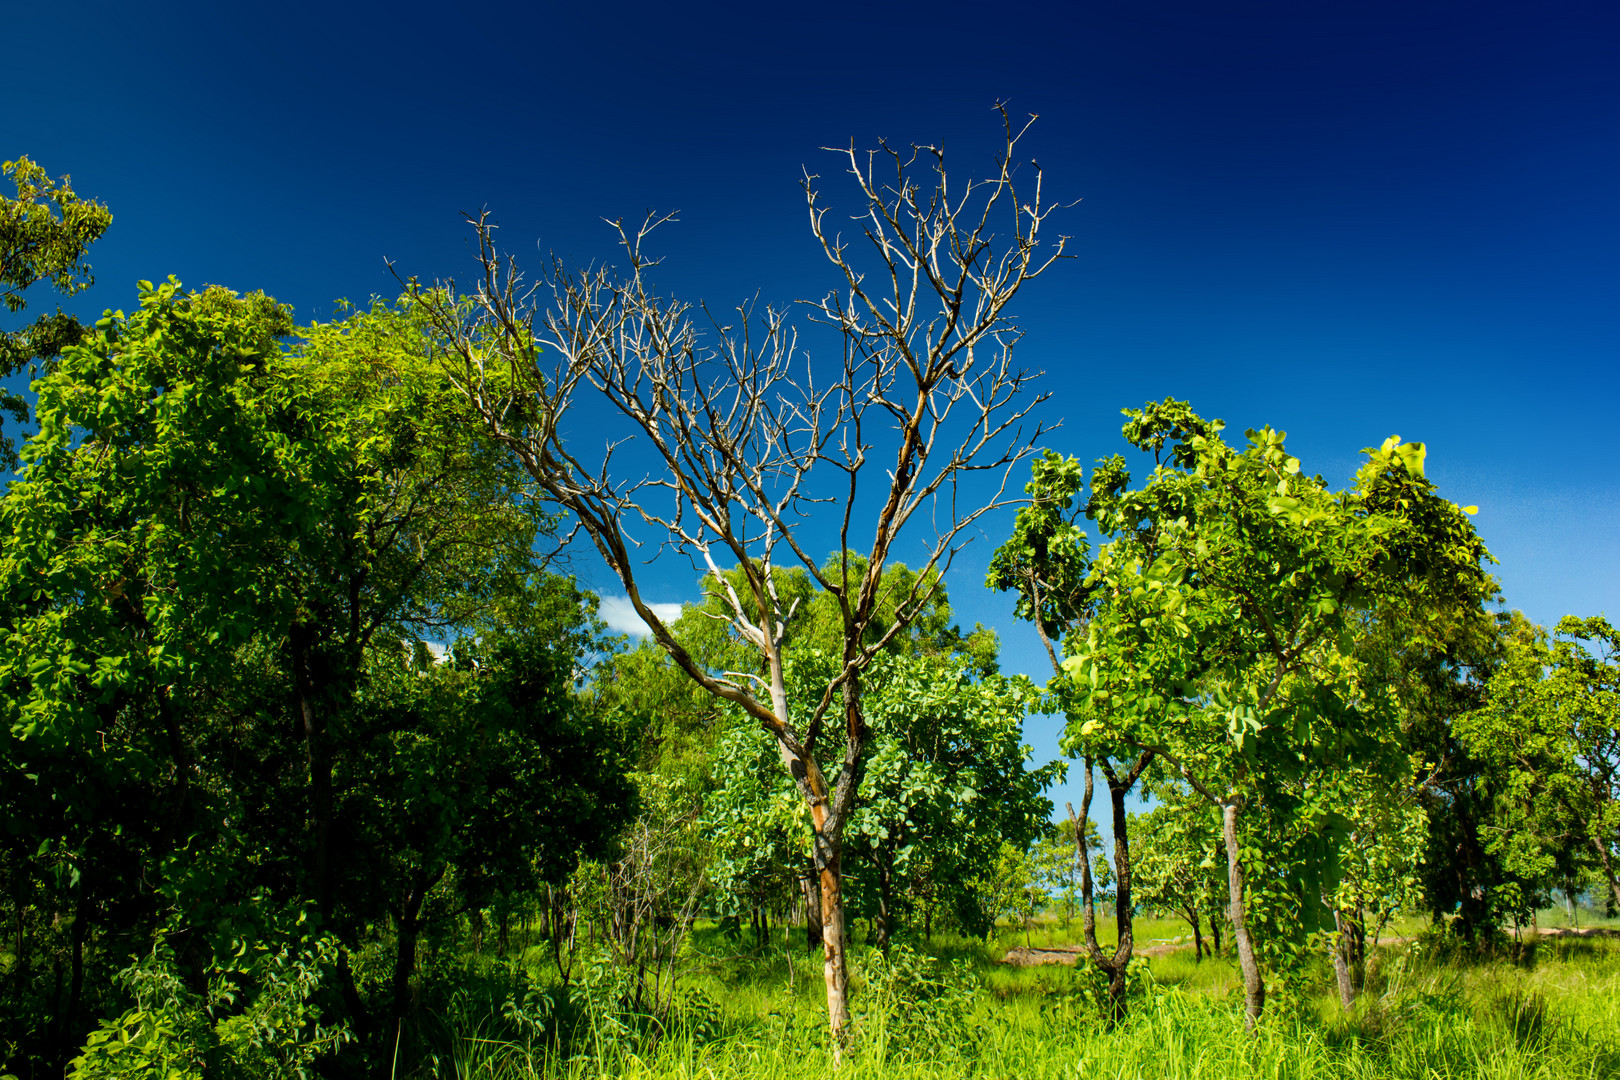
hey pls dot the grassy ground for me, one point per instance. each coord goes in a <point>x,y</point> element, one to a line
<point>1547,1008</point>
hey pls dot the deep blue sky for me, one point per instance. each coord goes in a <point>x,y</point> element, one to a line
<point>1346,221</point>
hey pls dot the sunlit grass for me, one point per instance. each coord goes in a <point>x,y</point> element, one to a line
<point>1548,1010</point>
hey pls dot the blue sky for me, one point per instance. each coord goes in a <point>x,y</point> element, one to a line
<point>1346,221</point>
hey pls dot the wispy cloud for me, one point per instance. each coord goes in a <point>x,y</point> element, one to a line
<point>620,615</point>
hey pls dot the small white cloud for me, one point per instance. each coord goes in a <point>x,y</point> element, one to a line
<point>620,615</point>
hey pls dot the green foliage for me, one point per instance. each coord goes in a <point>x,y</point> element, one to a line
<point>756,822</point>
<point>1046,559</point>
<point>674,721</point>
<point>1012,888</point>
<point>913,999</point>
<point>258,1017</point>
<point>1549,735</point>
<point>45,232</point>
<point>1178,857</point>
<point>944,785</point>
<point>1229,597</point>
<point>221,571</point>
<point>1055,860</point>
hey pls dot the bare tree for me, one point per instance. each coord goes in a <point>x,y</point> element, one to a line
<point>741,423</point>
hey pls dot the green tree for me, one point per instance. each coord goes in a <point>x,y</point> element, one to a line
<point>1381,866</point>
<point>945,786</point>
<point>102,542</point>
<point>1179,861</point>
<point>1056,856</point>
<point>1012,887</point>
<point>1550,735</point>
<point>220,568</point>
<point>1228,598</point>
<point>45,232</point>
<point>1046,562</point>
<point>754,870</point>
<point>1462,884</point>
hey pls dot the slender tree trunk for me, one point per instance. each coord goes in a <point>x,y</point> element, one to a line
<point>826,817</point>
<point>1254,987</point>
<point>318,758</point>
<point>1198,936</point>
<point>66,1022</point>
<point>350,993</point>
<point>320,798</point>
<point>835,966</point>
<point>1357,954</point>
<point>882,924</point>
<point>79,933</point>
<point>19,964</point>
<point>828,849</point>
<point>1124,906</point>
<point>1215,932</point>
<point>812,910</point>
<point>1608,868</point>
<point>1114,966</point>
<point>58,1030</point>
<point>1341,963</point>
<point>409,930</point>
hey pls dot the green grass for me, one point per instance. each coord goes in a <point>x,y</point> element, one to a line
<point>1549,1010</point>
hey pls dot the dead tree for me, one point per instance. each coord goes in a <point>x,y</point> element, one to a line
<point>751,438</point>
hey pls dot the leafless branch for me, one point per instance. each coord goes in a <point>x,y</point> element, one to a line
<point>740,422</point>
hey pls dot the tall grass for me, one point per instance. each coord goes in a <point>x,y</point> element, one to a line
<point>1550,1012</point>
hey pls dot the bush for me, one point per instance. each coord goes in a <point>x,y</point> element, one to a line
<point>914,1000</point>
<point>257,1019</point>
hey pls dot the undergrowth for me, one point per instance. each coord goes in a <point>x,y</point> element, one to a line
<point>1548,1011</point>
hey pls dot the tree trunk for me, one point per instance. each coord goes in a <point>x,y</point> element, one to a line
<point>1608,868</point>
<point>1114,966</point>
<point>1124,907</point>
<point>58,1036</point>
<point>1341,963</point>
<point>1198,936</point>
<point>882,925</point>
<point>350,993</point>
<point>66,1036</point>
<point>1215,932</point>
<point>812,910</point>
<point>1254,987</point>
<point>79,932</point>
<point>19,963</point>
<point>318,756</point>
<point>409,929</point>
<point>835,966</point>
